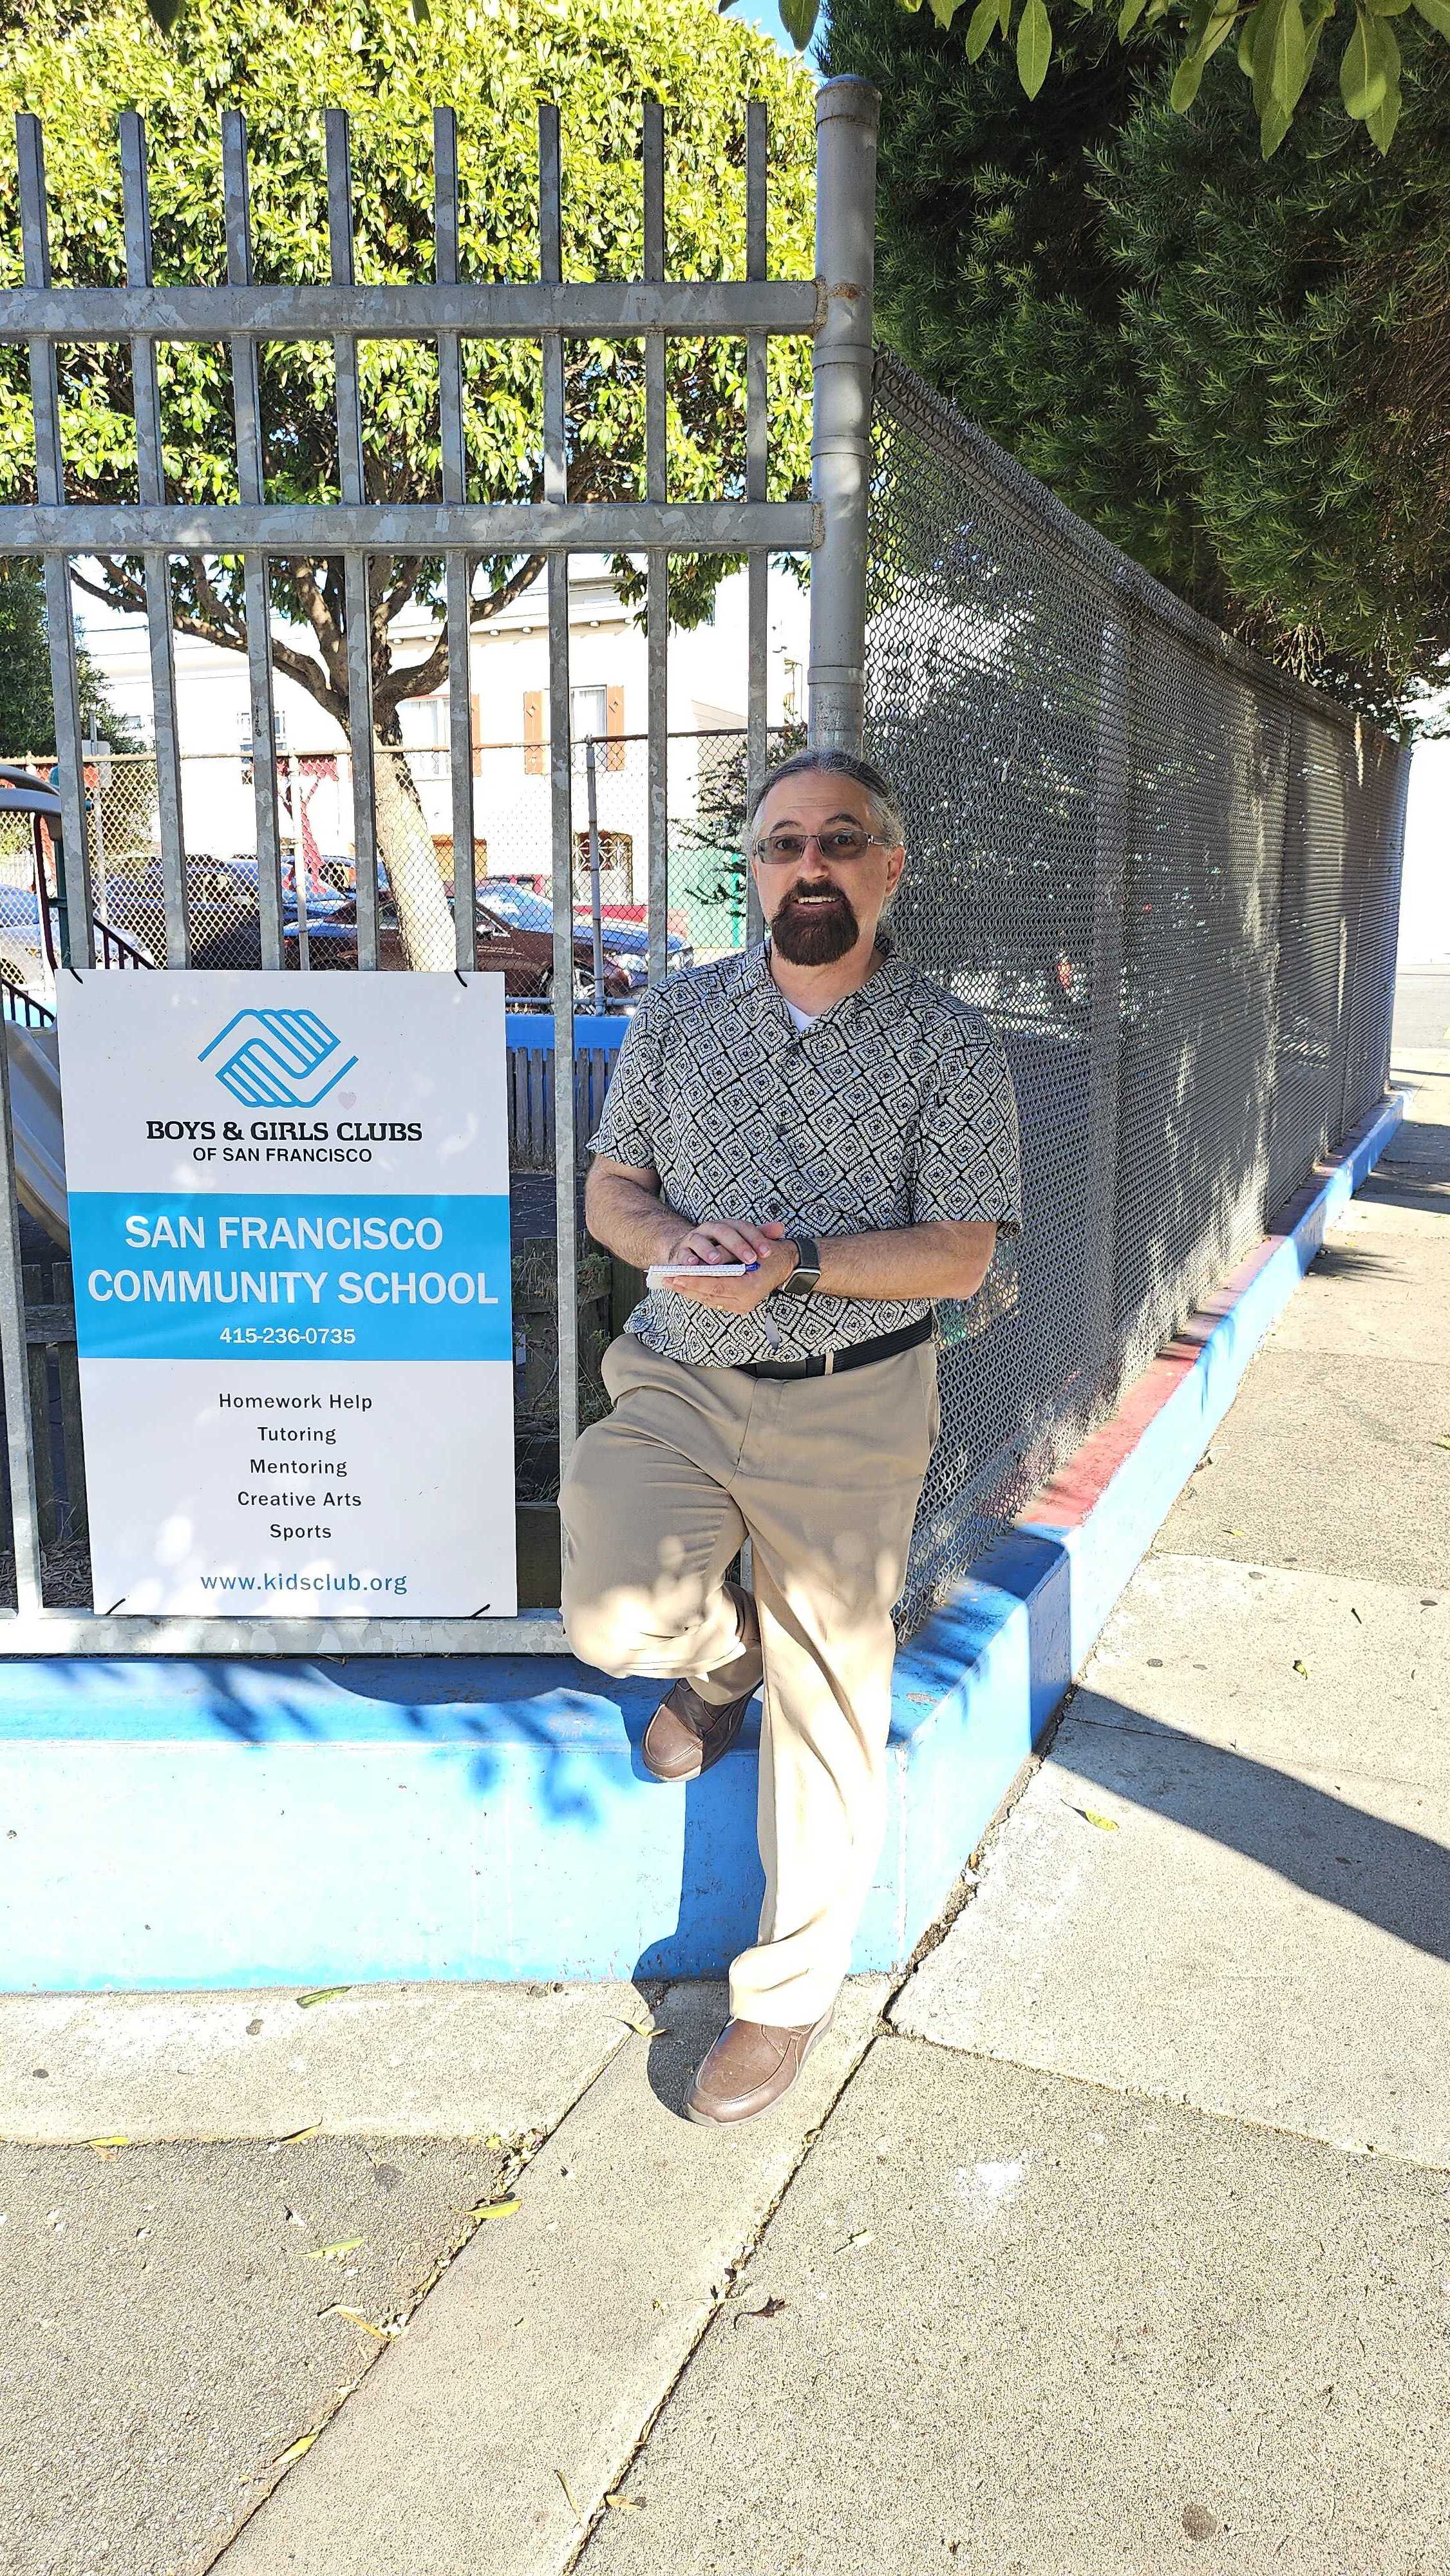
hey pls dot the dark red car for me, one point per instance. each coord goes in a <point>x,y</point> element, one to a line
<point>525,958</point>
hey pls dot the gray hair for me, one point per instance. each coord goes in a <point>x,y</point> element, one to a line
<point>886,818</point>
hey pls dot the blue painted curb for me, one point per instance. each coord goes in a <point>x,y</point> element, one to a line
<point>168,1824</point>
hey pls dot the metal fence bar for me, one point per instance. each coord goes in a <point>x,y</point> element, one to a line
<point>1116,664</point>
<point>1277,994</point>
<point>616,310</point>
<point>561,807</point>
<point>15,1368</point>
<point>151,484</point>
<point>458,570</point>
<point>247,408</point>
<point>59,618</point>
<point>847,113</point>
<point>657,683</point>
<point>421,527</point>
<point>657,602</point>
<point>757,468</point>
<point>357,620</point>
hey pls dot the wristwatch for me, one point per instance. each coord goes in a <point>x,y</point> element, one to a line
<point>807,1271</point>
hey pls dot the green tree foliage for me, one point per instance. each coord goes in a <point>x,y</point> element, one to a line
<point>27,723</point>
<point>282,62</point>
<point>1276,45</point>
<point>1237,373</point>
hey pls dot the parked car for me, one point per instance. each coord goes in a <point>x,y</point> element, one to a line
<point>527,959</point>
<point>524,957</point>
<point>628,940</point>
<point>241,874</point>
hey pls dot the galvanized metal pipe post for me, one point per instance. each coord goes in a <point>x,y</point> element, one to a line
<point>847,114</point>
<point>595,912</point>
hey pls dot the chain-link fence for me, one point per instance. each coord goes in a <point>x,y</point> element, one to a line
<point>512,860</point>
<point>1169,877</point>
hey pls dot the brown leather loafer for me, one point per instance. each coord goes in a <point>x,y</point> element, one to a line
<point>685,1734</point>
<point>750,2066</point>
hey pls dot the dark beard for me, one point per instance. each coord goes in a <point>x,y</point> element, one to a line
<point>815,938</point>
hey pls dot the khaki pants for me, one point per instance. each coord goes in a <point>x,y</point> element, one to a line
<point>822,1475</point>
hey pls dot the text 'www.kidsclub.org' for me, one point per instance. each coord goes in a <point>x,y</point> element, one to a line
<point>395,1583</point>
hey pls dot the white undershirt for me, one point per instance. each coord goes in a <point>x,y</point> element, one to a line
<point>802,1019</point>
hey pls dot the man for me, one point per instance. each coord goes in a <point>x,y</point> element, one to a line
<point>817,1109</point>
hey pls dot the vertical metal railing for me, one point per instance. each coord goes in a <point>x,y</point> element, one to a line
<point>458,572</point>
<point>151,486</point>
<point>243,314</point>
<point>561,802</point>
<point>247,416</point>
<point>657,562</point>
<point>357,622</point>
<point>847,115</point>
<point>50,487</point>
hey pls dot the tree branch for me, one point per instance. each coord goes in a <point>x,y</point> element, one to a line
<point>321,616</point>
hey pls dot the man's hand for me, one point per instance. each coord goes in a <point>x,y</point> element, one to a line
<point>723,1239</point>
<point>624,1211</point>
<point>766,1245</point>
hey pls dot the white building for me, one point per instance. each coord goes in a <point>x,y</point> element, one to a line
<point>509,722</point>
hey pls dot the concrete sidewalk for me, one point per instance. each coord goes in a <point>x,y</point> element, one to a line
<point>1117,2240</point>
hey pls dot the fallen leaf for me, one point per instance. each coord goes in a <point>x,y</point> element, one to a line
<point>626,2504</point>
<point>1301,1668</point>
<point>329,2253</point>
<point>321,1995</point>
<point>564,2483</point>
<point>355,2317</point>
<point>495,2209</point>
<point>772,2307</point>
<point>1106,1824</point>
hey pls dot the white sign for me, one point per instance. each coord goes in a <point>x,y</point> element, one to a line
<point>290,1246</point>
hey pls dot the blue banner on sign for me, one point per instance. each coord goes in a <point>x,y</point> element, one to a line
<point>160,1277</point>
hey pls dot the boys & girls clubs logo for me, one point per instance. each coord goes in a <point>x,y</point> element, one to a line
<point>278,1059</point>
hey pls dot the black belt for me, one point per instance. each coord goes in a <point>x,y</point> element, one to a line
<point>859,1355</point>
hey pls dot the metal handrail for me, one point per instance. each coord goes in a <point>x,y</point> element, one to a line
<point>23,1008</point>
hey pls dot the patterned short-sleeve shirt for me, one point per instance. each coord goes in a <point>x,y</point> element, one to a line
<point>894,1108</point>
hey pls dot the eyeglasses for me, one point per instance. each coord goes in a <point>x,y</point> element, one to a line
<point>842,841</point>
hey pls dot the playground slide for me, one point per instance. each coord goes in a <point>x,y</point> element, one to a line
<point>35,1116</point>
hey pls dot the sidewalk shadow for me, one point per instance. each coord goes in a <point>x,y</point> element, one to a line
<point>1390,1876</point>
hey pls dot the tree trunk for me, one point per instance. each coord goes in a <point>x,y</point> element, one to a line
<point>405,846</point>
